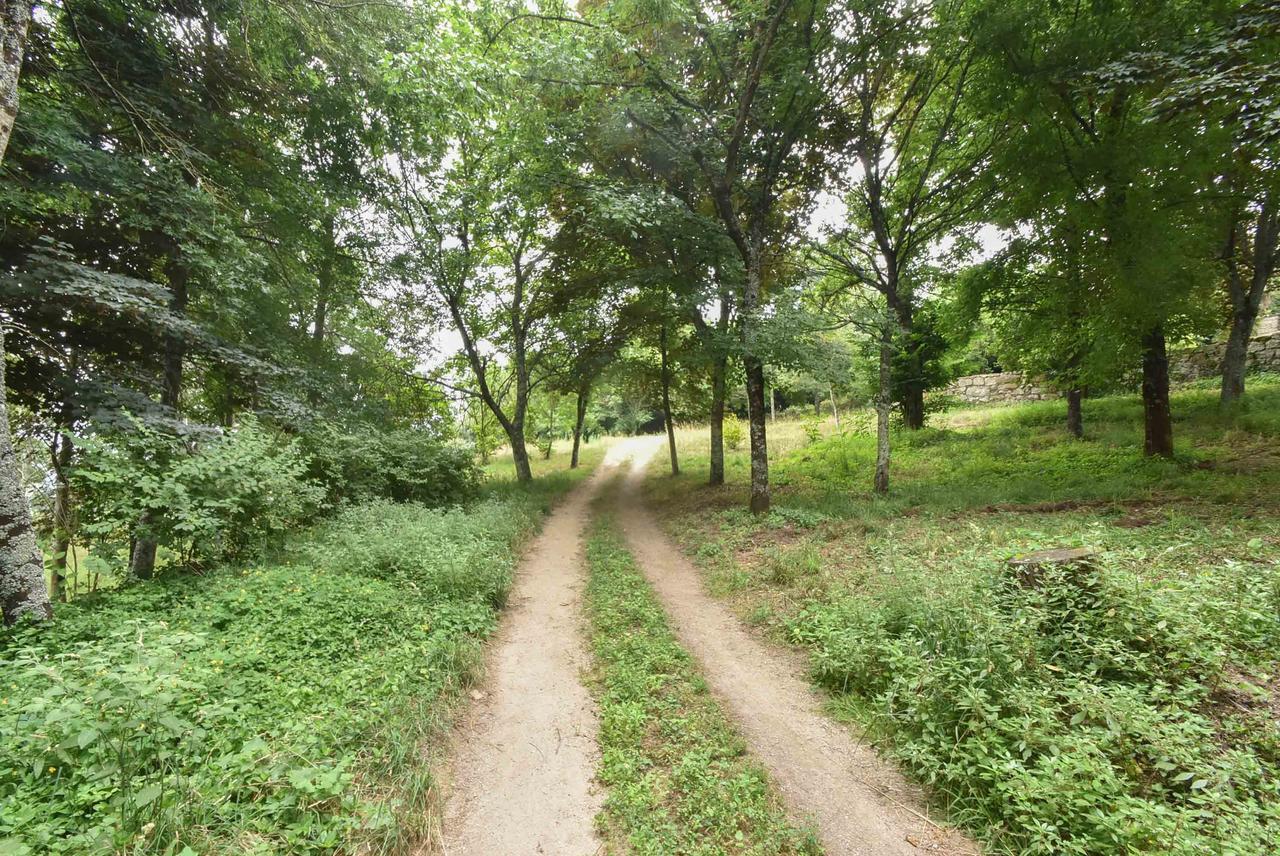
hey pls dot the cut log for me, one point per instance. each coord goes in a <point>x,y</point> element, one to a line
<point>1029,568</point>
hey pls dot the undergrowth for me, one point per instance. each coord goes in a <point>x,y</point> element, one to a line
<point>679,779</point>
<point>1132,707</point>
<point>280,708</point>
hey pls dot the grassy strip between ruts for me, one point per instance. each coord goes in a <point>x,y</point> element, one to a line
<point>679,778</point>
<point>279,708</point>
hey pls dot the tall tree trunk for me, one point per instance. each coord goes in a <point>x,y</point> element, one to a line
<point>719,366</point>
<point>1157,414</point>
<point>1075,412</point>
<point>884,402</point>
<point>1246,296</point>
<point>754,368</point>
<point>580,417</point>
<point>759,441</point>
<point>911,386</point>
<point>15,16</point>
<point>324,281</point>
<point>835,411</point>
<point>666,401</point>
<point>61,460</point>
<point>519,453</point>
<point>22,585</point>
<point>142,560</point>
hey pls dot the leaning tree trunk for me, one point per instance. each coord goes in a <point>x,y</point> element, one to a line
<point>520,453</point>
<point>22,584</point>
<point>1157,413</point>
<point>718,370</point>
<point>666,402</point>
<point>580,418</point>
<point>1075,412</point>
<point>884,401</point>
<point>142,559</point>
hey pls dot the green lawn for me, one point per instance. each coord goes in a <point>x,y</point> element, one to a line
<point>1133,707</point>
<point>290,706</point>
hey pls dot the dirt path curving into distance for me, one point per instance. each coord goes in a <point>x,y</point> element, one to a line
<point>525,756</point>
<point>856,802</point>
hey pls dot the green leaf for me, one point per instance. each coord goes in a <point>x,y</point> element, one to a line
<point>147,795</point>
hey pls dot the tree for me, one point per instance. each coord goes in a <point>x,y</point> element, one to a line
<point>917,160</point>
<point>1036,295</point>
<point>1230,74</point>
<point>1135,191</point>
<point>733,101</point>
<point>22,584</point>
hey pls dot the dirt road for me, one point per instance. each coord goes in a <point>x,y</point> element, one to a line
<point>857,803</point>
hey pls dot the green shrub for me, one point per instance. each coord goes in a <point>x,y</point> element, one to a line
<point>402,466</point>
<point>734,433</point>
<point>281,708</point>
<point>208,499</point>
<point>1071,716</point>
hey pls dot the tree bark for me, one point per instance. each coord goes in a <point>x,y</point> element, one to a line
<point>1075,412</point>
<point>1157,414</point>
<point>759,441</point>
<point>15,17</point>
<point>911,386</point>
<point>580,417</point>
<point>719,366</point>
<point>22,586</point>
<point>884,402</point>
<point>324,281</point>
<point>520,454</point>
<point>666,401</point>
<point>142,560</point>
<point>1246,296</point>
<point>754,367</point>
<point>61,460</point>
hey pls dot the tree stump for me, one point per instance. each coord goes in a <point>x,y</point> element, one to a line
<point>1029,569</point>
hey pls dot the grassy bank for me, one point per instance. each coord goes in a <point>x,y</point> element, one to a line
<point>1130,707</point>
<point>678,776</point>
<point>279,708</point>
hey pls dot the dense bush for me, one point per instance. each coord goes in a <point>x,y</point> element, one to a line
<point>217,497</point>
<point>226,496</point>
<point>1074,716</point>
<point>403,466</point>
<point>259,711</point>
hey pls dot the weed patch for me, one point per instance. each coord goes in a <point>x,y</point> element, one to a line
<point>277,708</point>
<point>1125,708</point>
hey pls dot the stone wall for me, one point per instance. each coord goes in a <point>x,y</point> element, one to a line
<point>1000,387</point>
<point>1206,361</point>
